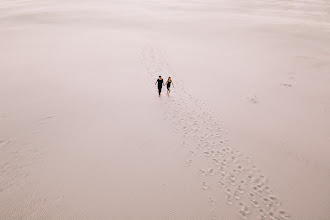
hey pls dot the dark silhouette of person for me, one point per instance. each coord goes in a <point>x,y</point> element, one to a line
<point>160,82</point>
<point>168,85</point>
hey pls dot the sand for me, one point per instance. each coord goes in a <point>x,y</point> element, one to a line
<point>244,134</point>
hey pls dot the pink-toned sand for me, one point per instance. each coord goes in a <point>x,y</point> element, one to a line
<point>244,134</point>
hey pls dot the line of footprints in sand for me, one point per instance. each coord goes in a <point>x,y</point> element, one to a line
<point>225,168</point>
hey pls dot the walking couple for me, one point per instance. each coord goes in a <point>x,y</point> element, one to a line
<point>160,82</point>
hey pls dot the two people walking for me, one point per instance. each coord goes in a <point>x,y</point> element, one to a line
<point>168,83</point>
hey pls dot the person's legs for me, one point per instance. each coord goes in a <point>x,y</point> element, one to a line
<point>168,89</point>
<point>159,90</point>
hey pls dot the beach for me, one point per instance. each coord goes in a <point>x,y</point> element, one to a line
<point>244,133</point>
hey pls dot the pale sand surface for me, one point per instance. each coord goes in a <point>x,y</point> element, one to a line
<point>245,133</point>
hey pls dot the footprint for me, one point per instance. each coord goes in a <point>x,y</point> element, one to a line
<point>221,184</point>
<point>262,213</point>
<point>266,201</point>
<point>250,178</point>
<point>255,203</point>
<point>286,84</point>
<point>252,99</point>
<point>232,182</point>
<point>237,195</point>
<point>232,176</point>
<point>254,168</point>
<point>229,200</point>
<point>257,190</point>
<point>205,186</point>
<point>229,192</point>
<point>212,201</point>
<point>267,189</point>
<point>261,217</point>
<point>274,200</point>
<point>5,142</point>
<point>189,162</point>
<point>45,120</point>
<point>243,214</point>
<point>243,210</point>
<point>252,195</point>
<point>243,183</point>
<point>284,215</point>
<point>272,216</point>
<point>204,173</point>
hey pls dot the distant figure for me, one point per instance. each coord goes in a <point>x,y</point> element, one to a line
<point>168,84</point>
<point>160,82</point>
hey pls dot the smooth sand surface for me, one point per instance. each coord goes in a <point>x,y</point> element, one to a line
<point>244,134</point>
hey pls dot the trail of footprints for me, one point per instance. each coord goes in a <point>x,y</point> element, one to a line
<point>221,166</point>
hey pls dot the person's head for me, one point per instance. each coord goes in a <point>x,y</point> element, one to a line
<point>169,78</point>
<point>160,77</point>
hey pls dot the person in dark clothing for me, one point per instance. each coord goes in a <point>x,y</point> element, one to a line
<point>168,85</point>
<point>160,82</point>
